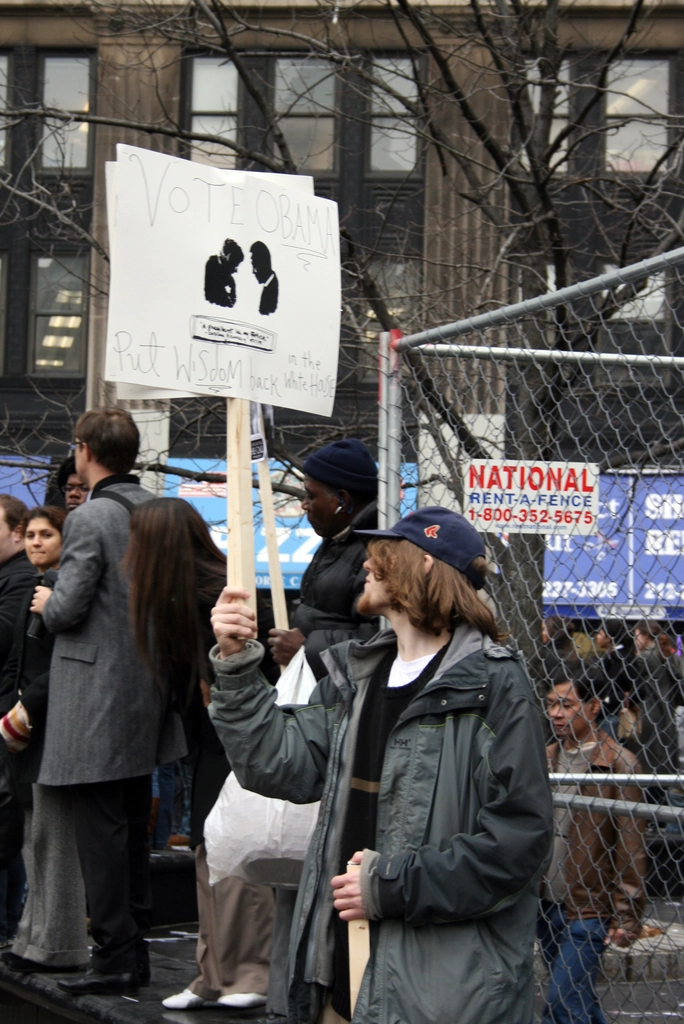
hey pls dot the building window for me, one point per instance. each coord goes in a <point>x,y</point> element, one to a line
<point>4,101</point>
<point>59,315</point>
<point>214,105</point>
<point>305,105</point>
<point>66,86</point>
<point>561,111</point>
<point>637,103</point>
<point>393,139</point>
<point>3,304</point>
<point>637,327</point>
<point>398,280</point>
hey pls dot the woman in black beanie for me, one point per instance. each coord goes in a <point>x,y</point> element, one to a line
<point>341,484</point>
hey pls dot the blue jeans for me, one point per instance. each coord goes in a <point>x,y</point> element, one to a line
<point>676,799</point>
<point>164,787</point>
<point>12,886</point>
<point>572,952</point>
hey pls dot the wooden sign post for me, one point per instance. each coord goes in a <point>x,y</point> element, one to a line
<point>239,498</point>
<point>274,568</point>
<point>359,949</point>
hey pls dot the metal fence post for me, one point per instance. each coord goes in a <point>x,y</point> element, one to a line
<point>394,430</point>
<point>383,380</point>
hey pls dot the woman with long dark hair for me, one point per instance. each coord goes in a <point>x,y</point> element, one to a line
<point>52,931</point>
<point>176,576</point>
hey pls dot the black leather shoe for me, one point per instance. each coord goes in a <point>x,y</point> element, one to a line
<point>99,984</point>
<point>143,958</point>
<point>26,966</point>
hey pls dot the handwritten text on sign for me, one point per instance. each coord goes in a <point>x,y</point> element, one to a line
<point>223,283</point>
<point>532,497</point>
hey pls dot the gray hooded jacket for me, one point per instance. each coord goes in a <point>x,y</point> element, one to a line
<point>463,835</point>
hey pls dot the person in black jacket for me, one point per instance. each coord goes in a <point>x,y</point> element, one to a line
<point>52,931</point>
<point>609,672</point>
<point>17,575</point>
<point>16,578</point>
<point>341,484</point>
<point>655,691</point>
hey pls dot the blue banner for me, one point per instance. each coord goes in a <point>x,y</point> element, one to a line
<point>27,484</point>
<point>634,566</point>
<point>297,541</point>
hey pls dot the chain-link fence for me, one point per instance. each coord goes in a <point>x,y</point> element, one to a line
<point>556,425</point>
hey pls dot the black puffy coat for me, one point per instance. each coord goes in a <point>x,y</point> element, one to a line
<point>17,577</point>
<point>26,677</point>
<point>331,586</point>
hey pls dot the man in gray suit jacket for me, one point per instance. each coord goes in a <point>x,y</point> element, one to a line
<point>108,721</point>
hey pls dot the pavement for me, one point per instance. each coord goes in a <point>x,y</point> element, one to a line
<point>644,983</point>
<point>172,960</point>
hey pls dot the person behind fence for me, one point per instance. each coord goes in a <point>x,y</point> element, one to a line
<point>425,748</point>
<point>341,485</point>
<point>563,642</point>
<point>108,722</point>
<point>52,932</point>
<point>593,893</point>
<point>673,660</point>
<point>648,724</point>
<point>609,670</point>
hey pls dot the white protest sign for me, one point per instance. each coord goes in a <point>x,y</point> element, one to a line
<point>531,497</point>
<point>128,391</point>
<point>223,283</point>
<point>125,391</point>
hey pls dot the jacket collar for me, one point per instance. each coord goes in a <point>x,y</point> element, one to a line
<point>351,664</point>
<point>115,478</point>
<point>16,563</point>
<point>604,754</point>
<point>366,519</point>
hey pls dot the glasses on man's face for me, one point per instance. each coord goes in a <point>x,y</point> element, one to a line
<point>75,445</point>
<point>74,489</point>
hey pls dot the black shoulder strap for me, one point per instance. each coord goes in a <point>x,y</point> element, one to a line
<point>126,502</point>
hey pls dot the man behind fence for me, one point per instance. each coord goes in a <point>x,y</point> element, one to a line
<point>425,748</point>
<point>593,893</point>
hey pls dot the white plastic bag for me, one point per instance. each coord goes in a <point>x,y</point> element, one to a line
<point>297,682</point>
<point>258,838</point>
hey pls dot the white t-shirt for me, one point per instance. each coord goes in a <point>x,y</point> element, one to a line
<point>404,672</point>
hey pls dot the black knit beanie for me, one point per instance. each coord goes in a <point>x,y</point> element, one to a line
<point>344,465</point>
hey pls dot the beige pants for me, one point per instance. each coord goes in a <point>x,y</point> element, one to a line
<point>329,1016</point>
<point>234,943</point>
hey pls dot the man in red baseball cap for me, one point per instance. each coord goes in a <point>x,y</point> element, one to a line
<point>425,748</point>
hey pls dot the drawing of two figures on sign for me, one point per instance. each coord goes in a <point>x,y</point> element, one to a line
<point>219,276</point>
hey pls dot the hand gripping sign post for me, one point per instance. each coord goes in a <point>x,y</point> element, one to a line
<point>223,283</point>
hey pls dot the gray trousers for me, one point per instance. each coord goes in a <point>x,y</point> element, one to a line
<point>52,929</point>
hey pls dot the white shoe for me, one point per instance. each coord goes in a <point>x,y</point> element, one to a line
<point>185,1000</point>
<point>242,1000</point>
